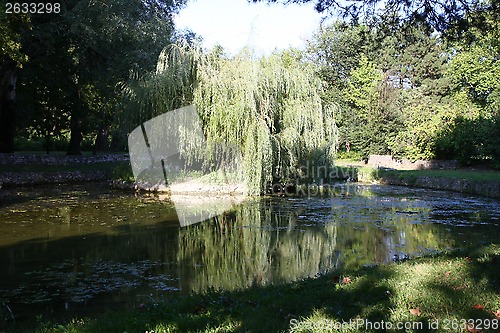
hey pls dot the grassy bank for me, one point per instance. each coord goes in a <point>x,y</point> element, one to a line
<point>471,175</point>
<point>477,182</point>
<point>433,294</point>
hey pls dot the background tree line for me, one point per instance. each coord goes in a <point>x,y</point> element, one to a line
<point>59,71</point>
<point>414,79</point>
<point>410,91</point>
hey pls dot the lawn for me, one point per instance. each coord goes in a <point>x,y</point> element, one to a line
<point>447,292</point>
<point>468,174</point>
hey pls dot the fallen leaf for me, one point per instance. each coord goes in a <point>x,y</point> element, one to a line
<point>415,311</point>
<point>478,307</point>
<point>472,329</point>
<point>497,314</point>
<point>447,274</point>
<point>346,280</point>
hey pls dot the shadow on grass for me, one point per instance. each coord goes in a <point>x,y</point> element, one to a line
<point>431,293</point>
<point>262,309</point>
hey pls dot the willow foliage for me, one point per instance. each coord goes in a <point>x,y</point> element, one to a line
<point>270,108</point>
<point>170,87</point>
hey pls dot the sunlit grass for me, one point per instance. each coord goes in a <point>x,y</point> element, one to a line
<point>473,175</point>
<point>488,175</point>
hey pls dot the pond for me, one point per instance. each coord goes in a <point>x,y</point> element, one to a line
<point>73,251</point>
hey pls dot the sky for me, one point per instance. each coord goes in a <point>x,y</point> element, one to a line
<point>235,24</point>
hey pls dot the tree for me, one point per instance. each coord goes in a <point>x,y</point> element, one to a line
<point>336,49</point>
<point>415,89</point>
<point>76,58</point>
<point>386,83</point>
<point>12,58</point>
<point>474,71</point>
<point>368,124</point>
<point>441,15</point>
<point>475,67</point>
<point>270,108</point>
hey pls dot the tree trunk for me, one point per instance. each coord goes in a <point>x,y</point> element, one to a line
<point>76,136</point>
<point>118,141</point>
<point>7,110</point>
<point>47,142</point>
<point>101,141</point>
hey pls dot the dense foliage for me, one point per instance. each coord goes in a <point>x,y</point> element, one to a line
<point>71,62</point>
<point>413,94</point>
<point>447,16</point>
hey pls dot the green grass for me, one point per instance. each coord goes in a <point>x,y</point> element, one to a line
<point>446,288</point>
<point>472,175</point>
<point>369,173</point>
<point>52,152</point>
<point>349,156</point>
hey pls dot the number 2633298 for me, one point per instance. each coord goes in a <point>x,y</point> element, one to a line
<point>32,8</point>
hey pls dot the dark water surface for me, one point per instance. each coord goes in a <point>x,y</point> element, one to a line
<point>69,251</point>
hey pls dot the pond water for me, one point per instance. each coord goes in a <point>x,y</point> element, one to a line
<point>71,251</point>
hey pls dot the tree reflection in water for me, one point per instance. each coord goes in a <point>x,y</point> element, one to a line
<point>275,240</point>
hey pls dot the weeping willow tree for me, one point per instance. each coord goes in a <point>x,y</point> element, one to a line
<point>170,87</point>
<point>270,108</point>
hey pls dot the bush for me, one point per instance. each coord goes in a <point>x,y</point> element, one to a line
<point>22,143</point>
<point>471,141</point>
<point>351,155</point>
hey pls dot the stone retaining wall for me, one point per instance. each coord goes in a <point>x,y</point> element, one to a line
<point>44,159</point>
<point>10,179</point>
<point>390,162</point>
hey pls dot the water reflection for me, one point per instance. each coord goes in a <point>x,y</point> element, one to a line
<point>87,247</point>
<point>277,240</point>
